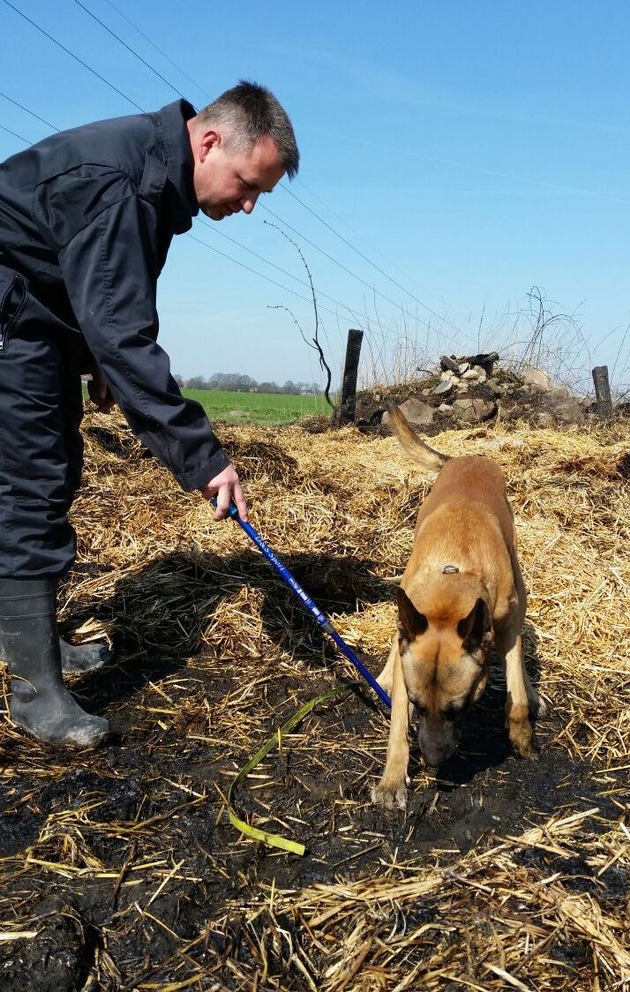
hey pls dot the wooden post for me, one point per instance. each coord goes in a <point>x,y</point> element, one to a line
<point>348,404</point>
<point>602,392</point>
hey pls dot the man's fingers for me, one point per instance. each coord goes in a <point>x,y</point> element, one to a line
<point>100,395</point>
<point>239,499</point>
<point>225,488</point>
<point>223,503</point>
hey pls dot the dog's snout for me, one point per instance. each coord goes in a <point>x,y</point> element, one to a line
<point>434,758</point>
<point>437,743</point>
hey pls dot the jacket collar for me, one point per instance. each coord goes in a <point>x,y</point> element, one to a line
<point>173,136</point>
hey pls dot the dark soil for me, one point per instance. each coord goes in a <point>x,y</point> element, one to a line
<point>120,870</point>
<point>139,878</point>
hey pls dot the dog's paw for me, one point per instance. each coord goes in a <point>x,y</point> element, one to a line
<point>390,796</point>
<point>521,735</point>
<point>532,753</point>
<point>526,749</point>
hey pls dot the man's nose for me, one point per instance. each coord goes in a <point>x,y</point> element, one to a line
<point>249,202</point>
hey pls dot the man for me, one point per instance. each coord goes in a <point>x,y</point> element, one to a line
<point>86,220</point>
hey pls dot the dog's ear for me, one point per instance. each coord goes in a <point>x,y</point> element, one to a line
<point>475,630</point>
<point>411,622</point>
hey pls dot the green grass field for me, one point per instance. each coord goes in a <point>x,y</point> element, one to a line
<point>255,408</point>
<point>258,408</point>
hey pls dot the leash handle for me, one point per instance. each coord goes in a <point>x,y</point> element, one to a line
<point>301,593</point>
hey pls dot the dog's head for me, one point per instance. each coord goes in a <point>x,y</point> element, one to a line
<point>444,644</point>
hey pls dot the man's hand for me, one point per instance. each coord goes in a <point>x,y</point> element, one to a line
<point>99,393</point>
<point>226,487</point>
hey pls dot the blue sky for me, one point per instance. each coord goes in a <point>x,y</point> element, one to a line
<point>455,154</point>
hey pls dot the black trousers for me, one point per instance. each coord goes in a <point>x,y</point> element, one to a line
<point>41,448</point>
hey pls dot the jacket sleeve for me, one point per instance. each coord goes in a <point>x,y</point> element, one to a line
<point>110,270</point>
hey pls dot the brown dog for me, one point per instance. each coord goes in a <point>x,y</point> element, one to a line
<point>461,590</point>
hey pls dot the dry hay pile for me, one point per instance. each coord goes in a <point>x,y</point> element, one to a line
<point>121,870</point>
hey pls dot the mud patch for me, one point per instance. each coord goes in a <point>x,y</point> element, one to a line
<point>120,870</point>
<point>124,858</point>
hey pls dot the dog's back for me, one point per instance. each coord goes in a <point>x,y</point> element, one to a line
<point>468,485</point>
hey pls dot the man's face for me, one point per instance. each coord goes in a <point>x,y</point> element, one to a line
<point>228,180</point>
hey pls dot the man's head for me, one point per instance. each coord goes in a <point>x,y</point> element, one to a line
<point>242,145</point>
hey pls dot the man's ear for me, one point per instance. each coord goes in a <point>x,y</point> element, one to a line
<point>475,630</point>
<point>411,622</point>
<point>207,141</point>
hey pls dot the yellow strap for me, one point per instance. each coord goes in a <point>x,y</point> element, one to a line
<point>274,840</point>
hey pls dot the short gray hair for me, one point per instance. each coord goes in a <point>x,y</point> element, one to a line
<point>251,112</point>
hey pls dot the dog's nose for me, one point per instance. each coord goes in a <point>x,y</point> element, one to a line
<point>435,755</point>
<point>433,761</point>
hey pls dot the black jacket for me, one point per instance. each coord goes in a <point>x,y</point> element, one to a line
<point>86,220</point>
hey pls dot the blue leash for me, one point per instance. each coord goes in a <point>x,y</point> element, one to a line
<point>321,618</point>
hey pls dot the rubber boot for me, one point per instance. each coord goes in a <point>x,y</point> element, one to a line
<point>83,657</point>
<point>29,643</point>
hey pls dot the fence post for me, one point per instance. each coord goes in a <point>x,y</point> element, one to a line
<point>602,392</point>
<point>348,403</point>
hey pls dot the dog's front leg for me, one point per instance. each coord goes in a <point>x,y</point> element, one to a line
<point>521,695</point>
<point>386,678</point>
<point>391,791</point>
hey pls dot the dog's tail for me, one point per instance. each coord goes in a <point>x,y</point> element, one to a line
<point>416,448</point>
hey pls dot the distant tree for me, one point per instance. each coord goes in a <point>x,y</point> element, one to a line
<point>232,382</point>
<point>238,382</point>
<point>245,384</point>
<point>198,382</point>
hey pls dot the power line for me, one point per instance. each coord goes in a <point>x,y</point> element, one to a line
<point>157,48</point>
<point>371,287</point>
<point>128,47</point>
<point>338,303</point>
<point>366,259</point>
<point>15,134</point>
<point>217,251</point>
<point>290,192</point>
<point>27,111</point>
<point>256,273</point>
<point>349,227</point>
<point>316,247</point>
<point>284,186</point>
<point>310,192</point>
<point>356,316</point>
<point>289,275</point>
<point>75,57</point>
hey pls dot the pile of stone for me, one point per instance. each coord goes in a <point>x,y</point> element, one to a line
<point>458,388</point>
<point>470,389</point>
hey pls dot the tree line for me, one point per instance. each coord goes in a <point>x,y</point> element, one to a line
<point>235,382</point>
